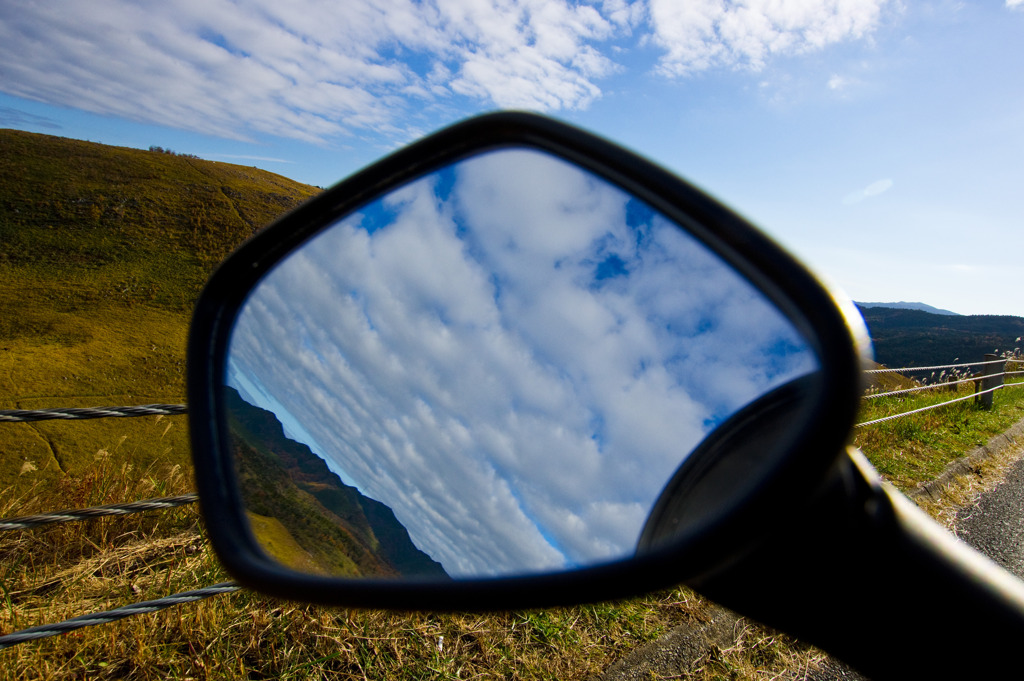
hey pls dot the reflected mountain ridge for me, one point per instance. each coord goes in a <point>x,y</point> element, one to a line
<point>305,516</point>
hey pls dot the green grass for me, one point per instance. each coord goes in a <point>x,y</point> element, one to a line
<point>917,448</point>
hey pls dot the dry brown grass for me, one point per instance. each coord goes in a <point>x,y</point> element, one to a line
<point>57,572</point>
<point>60,571</point>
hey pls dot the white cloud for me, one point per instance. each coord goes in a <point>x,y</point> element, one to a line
<point>10,117</point>
<point>876,188</point>
<point>1012,4</point>
<point>315,71</point>
<point>246,157</point>
<point>511,367</point>
<point>873,189</point>
<point>300,69</point>
<point>704,33</point>
<point>837,82</point>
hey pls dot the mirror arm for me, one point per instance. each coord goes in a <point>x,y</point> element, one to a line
<point>919,592</point>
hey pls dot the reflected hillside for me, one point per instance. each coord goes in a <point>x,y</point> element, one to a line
<point>304,516</point>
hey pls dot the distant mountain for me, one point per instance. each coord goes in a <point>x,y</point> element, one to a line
<point>911,306</point>
<point>305,516</point>
<point>904,338</point>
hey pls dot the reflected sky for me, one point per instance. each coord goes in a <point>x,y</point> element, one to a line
<point>513,355</point>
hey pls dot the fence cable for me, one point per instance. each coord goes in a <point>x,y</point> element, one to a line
<point>934,406</point>
<point>108,616</point>
<point>30,521</point>
<point>77,413</point>
<point>941,366</point>
<point>26,522</point>
<point>933,386</point>
<point>19,415</point>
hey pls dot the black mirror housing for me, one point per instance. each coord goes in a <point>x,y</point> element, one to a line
<point>795,466</point>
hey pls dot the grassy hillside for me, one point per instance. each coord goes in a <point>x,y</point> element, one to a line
<point>103,251</point>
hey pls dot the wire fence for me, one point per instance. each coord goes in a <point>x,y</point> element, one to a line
<point>922,409</point>
<point>108,616</point>
<point>28,522</point>
<point>981,380</point>
<point>22,415</point>
<point>919,388</point>
<point>904,370</point>
<point>160,503</point>
<point>990,379</point>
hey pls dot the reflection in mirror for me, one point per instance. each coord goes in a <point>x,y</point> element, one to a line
<point>492,371</point>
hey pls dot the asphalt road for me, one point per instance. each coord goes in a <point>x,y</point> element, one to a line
<point>995,523</point>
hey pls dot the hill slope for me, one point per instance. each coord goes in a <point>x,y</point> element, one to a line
<point>910,306</point>
<point>330,527</point>
<point>917,338</point>
<point>103,251</point>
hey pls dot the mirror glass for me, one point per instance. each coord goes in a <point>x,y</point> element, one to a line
<point>494,370</point>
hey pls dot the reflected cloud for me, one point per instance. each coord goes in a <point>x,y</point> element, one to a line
<point>511,354</point>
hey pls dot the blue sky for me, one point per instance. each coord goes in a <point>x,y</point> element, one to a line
<point>880,141</point>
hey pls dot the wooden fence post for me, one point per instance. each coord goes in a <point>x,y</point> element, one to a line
<point>991,376</point>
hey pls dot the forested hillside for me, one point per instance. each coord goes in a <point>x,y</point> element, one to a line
<point>917,338</point>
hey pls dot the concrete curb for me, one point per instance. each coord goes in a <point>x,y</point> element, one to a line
<point>677,651</point>
<point>968,463</point>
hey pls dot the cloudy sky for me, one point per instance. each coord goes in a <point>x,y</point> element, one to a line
<point>513,356</point>
<point>878,139</point>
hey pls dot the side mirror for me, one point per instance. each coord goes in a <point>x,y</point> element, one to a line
<point>511,365</point>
